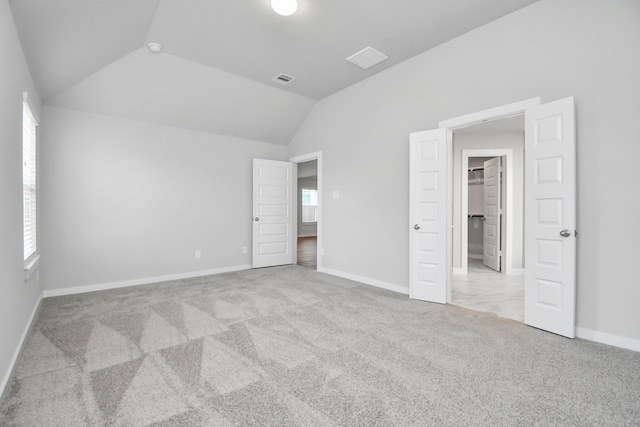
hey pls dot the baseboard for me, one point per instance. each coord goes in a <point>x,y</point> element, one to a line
<point>459,271</point>
<point>19,348</point>
<point>366,280</point>
<point>308,235</point>
<point>515,272</point>
<point>609,339</point>
<point>136,282</point>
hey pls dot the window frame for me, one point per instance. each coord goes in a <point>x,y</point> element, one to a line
<point>30,180</point>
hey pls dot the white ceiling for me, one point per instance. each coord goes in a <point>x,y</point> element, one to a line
<point>88,54</point>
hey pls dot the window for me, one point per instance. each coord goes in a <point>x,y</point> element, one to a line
<point>309,205</point>
<point>29,125</point>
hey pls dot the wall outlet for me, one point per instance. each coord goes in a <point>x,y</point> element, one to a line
<point>198,254</point>
<point>245,250</point>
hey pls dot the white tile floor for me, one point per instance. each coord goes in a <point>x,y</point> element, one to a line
<point>483,289</point>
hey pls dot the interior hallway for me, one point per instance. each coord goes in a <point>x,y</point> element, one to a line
<point>483,289</point>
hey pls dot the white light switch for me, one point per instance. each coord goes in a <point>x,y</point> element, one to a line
<point>336,194</point>
<point>198,254</point>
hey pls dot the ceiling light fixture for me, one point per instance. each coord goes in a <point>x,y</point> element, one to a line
<point>155,47</point>
<point>284,7</point>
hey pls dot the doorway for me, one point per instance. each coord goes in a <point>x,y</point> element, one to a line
<point>549,211</point>
<point>487,177</point>
<point>307,236</point>
<point>308,223</point>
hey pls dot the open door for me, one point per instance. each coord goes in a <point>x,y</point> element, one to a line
<point>272,213</point>
<point>428,216</point>
<point>550,212</point>
<point>491,251</point>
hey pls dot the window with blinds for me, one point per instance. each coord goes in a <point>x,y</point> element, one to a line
<point>29,126</point>
<point>309,205</point>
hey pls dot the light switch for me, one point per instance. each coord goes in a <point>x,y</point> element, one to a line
<point>336,194</point>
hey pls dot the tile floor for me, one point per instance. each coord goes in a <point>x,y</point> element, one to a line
<point>483,289</point>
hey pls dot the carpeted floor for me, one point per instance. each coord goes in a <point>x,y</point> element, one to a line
<point>289,346</point>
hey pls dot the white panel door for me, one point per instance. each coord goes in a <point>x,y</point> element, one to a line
<point>272,213</point>
<point>428,216</point>
<point>550,212</point>
<point>492,213</point>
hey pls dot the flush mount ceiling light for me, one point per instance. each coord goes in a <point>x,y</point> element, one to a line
<point>284,7</point>
<point>155,47</point>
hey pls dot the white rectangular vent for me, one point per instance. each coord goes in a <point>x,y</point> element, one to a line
<point>367,58</point>
<point>283,79</point>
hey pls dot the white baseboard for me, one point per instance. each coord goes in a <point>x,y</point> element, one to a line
<point>18,352</point>
<point>515,272</point>
<point>308,235</point>
<point>609,339</point>
<point>136,282</point>
<point>366,280</point>
<point>459,271</point>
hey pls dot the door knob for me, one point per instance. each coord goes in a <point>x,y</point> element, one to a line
<point>257,218</point>
<point>416,227</point>
<point>565,233</point>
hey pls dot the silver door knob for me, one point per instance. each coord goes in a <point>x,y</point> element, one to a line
<point>257,218</point>
<point>416,227</point>
<point>565,233</point>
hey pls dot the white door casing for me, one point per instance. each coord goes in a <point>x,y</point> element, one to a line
<point>492,214</point>
<point>550,212</point>
<point>272,213</point>
<point>428,216</point>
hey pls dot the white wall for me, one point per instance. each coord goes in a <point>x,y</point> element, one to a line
<point>488,140</point>
<point>17,297</point>
<point>127,200</point>
<point>552,49</point>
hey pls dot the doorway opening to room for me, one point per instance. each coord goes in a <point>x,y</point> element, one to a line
<point>549,213</point>
<point>487,211</point>
<point>307,236</point>
<point>308,223</point>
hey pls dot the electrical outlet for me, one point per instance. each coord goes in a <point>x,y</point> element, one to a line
<point>245,250</point>
<point>198,254</point>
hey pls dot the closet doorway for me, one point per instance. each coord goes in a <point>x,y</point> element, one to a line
<point>488,221</point>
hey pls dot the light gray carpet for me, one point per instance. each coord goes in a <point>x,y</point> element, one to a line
<point>289,346</point>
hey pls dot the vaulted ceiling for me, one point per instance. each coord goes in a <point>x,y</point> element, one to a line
<point>219,56</point>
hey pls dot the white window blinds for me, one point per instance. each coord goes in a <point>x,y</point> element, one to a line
<point>29,125</point>
<point>309,205</point>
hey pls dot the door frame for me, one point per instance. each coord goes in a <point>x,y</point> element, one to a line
<point>507,214</point>
<point>316,155</point>
<point>452,124</point>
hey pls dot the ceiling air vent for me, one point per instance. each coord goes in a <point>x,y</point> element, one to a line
<point>367,58</point>
<point>283,79</point>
